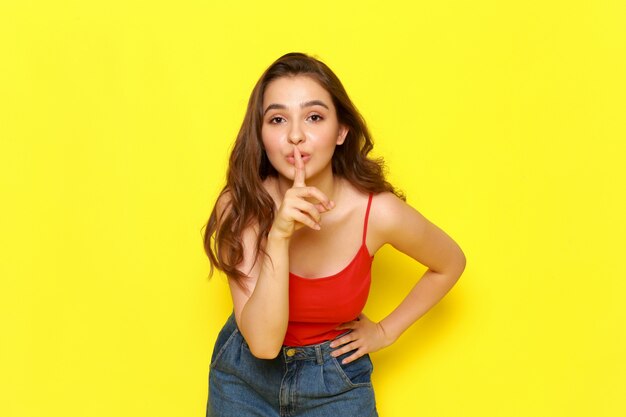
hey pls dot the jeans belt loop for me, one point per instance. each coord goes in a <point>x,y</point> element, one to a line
<point>318,355</point>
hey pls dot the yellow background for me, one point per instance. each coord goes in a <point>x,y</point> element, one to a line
<point>504,122</point>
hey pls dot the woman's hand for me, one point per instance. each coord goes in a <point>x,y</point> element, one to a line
<point>366,336</point>
<point>295,211</point>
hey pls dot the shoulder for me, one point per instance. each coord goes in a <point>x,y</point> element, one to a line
<point>387,209</point>
<point>247,235</point>
<point>223,203</point>
<point>387,201</point>
<point>392,220</point>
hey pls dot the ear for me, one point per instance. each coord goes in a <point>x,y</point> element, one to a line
<point>343,132</point>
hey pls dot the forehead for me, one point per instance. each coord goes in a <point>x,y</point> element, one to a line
<point>295,90</point>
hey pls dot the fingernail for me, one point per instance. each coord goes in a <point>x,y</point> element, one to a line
<point>317,227</point>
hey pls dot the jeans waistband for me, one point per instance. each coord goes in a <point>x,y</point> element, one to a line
<point>319,352</point>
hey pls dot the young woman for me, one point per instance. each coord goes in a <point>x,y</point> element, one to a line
<point>295,229</point>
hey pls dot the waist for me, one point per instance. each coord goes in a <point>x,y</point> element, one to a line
<point>320,352</point>
<point>304,334</point>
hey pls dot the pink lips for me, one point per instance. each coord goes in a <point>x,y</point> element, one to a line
<point>292,160</point>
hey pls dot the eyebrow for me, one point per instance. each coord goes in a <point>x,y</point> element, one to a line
<point>302,105</point>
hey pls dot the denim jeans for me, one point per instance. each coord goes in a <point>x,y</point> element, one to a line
<point>302,381</point>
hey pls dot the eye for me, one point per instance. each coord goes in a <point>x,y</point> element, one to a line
<point>276,119</point>
<point>316,117</point>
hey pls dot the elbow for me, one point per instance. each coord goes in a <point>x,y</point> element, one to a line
<point>265,355</point>
<point>263,343</point>
<point>456,266</point>
<point>264,352</point>
<point>460,264</point>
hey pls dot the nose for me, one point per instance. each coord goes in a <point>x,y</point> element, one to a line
<point>294,140</point>
<point>296,135</point>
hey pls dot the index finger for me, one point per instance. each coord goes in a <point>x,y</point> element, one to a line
<point>299,176</point>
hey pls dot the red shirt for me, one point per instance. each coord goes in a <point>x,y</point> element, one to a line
<point>318,305</point>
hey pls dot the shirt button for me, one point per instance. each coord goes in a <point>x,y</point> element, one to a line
<point>291,352</point>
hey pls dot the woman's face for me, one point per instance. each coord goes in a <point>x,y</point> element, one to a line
<point>300,112</point>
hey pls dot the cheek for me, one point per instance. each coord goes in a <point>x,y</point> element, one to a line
<point>271,145</point>
<point>326,139</point>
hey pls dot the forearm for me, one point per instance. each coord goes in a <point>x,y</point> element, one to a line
<point>428,291</point>
<point>265,315</point>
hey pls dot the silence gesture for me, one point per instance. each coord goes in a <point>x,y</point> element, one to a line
<point>295,211</point>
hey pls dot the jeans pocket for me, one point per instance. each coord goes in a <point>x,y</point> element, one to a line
<point>357,373</point>
<point>223,340</point>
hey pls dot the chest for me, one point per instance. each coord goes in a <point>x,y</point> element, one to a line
<point>334,298</point>
<point>315,254</point>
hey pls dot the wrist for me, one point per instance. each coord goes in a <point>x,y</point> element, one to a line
<point>277,236</point>
<point>388,335</point>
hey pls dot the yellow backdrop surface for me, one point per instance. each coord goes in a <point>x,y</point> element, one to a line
<point>504,123</point>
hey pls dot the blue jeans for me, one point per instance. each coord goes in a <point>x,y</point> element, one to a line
<point>302,381</point>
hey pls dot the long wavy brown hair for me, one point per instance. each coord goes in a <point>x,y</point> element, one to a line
<point>244,202</point>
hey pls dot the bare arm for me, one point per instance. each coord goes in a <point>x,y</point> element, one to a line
<point>262,310</point>
<point>397,223</point>
<point>263,313</point>
<point>410,232</point>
